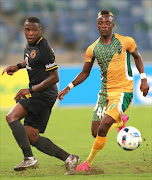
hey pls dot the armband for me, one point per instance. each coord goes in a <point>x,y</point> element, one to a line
<point>31,90</point>
<point>19,66</point>
<point>143,76</point>
<point>71,85</point>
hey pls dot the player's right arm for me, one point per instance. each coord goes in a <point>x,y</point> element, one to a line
<point>89,60</point>
<point>78,80</point>
<point>10,70</point>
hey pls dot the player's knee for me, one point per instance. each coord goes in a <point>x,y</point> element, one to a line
<point>94,133</point>
<point>94,128</point>
<point>10,118</point>
<point>32,136</point>
<point>102,131</point>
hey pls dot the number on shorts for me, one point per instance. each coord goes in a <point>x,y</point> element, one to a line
<point>101,112</point>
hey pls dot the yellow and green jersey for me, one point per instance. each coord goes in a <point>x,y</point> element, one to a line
<point>114,62</point>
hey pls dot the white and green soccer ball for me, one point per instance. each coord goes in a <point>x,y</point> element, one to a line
<point>129,138</point>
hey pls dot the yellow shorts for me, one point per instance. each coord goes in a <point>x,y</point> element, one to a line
<point>114,105</point>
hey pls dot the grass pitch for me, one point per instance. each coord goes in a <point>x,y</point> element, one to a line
<point>70,128</point>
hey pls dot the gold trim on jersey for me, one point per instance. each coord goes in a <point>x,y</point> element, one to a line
<point>39,40</point>
<point>51,68</point>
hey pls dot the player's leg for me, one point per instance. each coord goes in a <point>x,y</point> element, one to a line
<point>13,118</point>
<point>44,144</point>
<point>99,112</point>
<point>126,102</point>
<point>120,125</point>
<point>119,104</point>
<point>94,128</point>
<point>99,142</point>
<point>115,108</point>
<point>35,124</point>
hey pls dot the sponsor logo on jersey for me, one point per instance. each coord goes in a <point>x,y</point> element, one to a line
<point>33,54</point>
<point>50,65</point>
<point>26,60</point>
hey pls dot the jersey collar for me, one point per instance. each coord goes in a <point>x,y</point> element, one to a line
<point>37,42</point>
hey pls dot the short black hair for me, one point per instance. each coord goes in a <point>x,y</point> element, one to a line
<point>105,11</point>
<point>33,20</point>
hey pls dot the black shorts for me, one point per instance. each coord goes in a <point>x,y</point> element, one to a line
<point>39,107</point>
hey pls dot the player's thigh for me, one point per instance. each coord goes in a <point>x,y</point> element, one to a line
<point>118,104</point>
<point>39,120</point>
<point>99,112</point>
<point>100,107</point>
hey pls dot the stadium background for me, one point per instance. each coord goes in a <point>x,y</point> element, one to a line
<point>70,27</point>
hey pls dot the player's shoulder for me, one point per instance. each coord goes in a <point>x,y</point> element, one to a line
<point>42,42</point>
<point>94,44</point>
<point>127,42</point>
<point>44,45</point>
<point>124,39</point>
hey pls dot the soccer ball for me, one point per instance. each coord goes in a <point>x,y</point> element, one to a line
<point>129,138</point>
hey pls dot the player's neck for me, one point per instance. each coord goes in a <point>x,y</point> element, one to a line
<point>107,40</point>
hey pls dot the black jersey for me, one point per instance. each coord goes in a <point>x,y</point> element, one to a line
<point>40,59</point>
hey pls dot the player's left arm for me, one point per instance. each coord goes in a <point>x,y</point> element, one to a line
<point>48,61</point>
<point>53,78</point>
<point>144,87</point>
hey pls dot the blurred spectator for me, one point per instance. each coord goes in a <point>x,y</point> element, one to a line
<point>70,25</point>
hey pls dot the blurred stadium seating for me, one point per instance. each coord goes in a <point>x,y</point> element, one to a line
<point>71,25</point>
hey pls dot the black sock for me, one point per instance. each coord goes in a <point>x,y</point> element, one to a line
<point>46,146</point>
<point>20,135</point>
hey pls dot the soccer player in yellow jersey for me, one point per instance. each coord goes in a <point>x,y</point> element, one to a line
<point>112,52</point>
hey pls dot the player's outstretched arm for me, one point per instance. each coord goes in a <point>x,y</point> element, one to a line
<point>10,70</point>
<point>144,87</point>
<point>78,80</point>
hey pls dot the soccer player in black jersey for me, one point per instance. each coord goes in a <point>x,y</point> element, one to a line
<point>35,104</point>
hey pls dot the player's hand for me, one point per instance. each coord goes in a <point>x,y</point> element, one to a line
<point>144,87</point>
<point>63,92</point>
<point>10,70</point>
<point>21,93</point>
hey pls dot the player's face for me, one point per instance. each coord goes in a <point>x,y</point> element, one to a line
<point>105,25</point>
<point>32,31</point>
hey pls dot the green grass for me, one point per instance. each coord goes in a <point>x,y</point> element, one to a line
<point>70,128</point>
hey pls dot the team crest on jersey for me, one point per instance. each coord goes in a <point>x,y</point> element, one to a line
<point>119,49</point>
<point>33,54</point>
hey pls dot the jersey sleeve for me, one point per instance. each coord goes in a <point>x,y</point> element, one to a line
<point>130,45</point>
<point>48,58</point>
<point>89,54</point>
